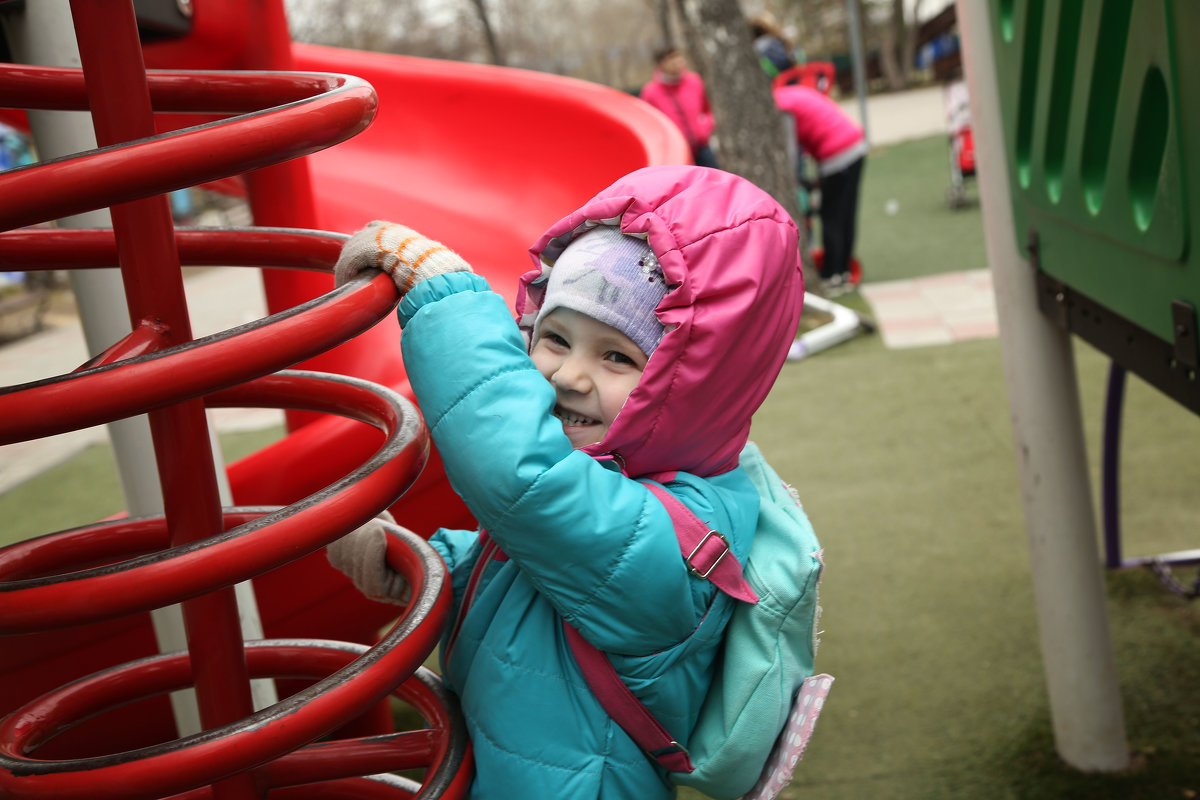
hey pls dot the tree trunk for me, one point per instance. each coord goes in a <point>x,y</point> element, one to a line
<point>749,129</point>
<point>908,54</point>
<point>489,33</point>
<point>662,12</point>
<point>899,45</point>
<point>888,63</point>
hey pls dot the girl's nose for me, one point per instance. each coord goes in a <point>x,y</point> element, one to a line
<point>570,376</point>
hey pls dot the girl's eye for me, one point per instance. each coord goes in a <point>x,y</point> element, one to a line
<point>620,358</point>
<point>554,338</point>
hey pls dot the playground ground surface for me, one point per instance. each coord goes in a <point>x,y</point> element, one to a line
<point>902,453</point>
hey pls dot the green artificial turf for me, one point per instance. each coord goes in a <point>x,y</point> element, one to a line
<point>83,489</point>
<point>906,229</point>
<point>904,461</point>
<point>86,488</point>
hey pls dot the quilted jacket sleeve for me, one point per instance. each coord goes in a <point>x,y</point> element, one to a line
<point>598,545</point>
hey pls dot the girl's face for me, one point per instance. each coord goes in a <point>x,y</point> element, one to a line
<point>673,65</point>
<point>593,368</point>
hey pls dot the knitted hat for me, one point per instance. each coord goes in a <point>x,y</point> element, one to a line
<point>610,277</point>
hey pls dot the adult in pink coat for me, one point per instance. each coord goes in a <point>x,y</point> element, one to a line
<point>680,94</point>
<point>836,142</point>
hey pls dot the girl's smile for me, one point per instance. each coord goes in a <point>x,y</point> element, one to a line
<point>593,368</point>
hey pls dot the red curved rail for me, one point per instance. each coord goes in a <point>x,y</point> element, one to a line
<point>196,551</point>
<point>166,576</point>
<point>205,758</point>
<point>292,114</point>
<point>96,395</point>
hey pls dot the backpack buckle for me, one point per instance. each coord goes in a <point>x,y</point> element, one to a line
<point>699,546</point>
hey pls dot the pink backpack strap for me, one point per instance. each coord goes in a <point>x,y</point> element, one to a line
<point>706,551</point>
<point>707,555</point>
<point>624,707</point>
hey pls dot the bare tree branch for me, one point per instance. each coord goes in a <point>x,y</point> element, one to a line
<point>489,33</point>
<point>662,12</point>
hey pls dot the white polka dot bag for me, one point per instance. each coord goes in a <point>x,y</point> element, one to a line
<point>789,748</point>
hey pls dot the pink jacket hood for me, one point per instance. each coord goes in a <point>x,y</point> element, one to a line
<point>730,254</point>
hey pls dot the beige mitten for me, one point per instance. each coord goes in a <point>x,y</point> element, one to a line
<point>362,556</point>
<point>401,252</point>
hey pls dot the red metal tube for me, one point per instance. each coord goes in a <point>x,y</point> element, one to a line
<point>207,92</point>
<point>95,396</point>
<point>201,759</point>
<point>97,544</point>
<point>187,157</point>
<point>111,56</point>
<point>349,758</point>
<point>94,248</point>
<point>148,336</point>
<point>250,549</point>
<point>197,550</point>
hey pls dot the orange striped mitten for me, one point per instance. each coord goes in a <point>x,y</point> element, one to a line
<point>401,252</point>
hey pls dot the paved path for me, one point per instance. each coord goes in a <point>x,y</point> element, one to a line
<point>218,299</point>
<point>938,309</point>
<point>901,116</point>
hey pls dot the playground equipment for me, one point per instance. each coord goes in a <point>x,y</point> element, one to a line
<point>844,324</point>
<point>1085,173</point>
<point>962,142</point>
<point>81,682</point>
<point>820,75</point>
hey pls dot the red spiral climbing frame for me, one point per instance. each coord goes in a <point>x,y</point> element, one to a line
<point>197,550</point>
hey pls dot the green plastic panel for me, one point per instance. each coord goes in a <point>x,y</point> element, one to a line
<point>1100,101</point>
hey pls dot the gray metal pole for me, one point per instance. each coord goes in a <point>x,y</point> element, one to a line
<point>858,64</point>
<point>1081,676</point>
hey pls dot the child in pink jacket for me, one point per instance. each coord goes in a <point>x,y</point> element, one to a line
<point>680,94</point>
<point>836,142</point>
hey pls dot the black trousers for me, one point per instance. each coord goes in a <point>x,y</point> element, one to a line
<point>839,218</point>
<point>705,157</point>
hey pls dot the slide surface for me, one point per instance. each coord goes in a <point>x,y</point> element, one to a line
<point>481,158</point>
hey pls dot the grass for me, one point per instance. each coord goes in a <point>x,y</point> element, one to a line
<point>905,463</point>
<point>904,460</point>
<point>906,228</point>
<point>86,488</point>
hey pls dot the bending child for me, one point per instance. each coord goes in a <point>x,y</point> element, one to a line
<point>650,329</point>
<point>828,134</point>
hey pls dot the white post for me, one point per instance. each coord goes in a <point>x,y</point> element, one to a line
<point>1085,701</point>
<point>42,33</point>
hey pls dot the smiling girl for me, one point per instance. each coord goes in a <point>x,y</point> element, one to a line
<point>651,327</point>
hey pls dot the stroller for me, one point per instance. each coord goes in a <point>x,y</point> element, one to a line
<point>962,142</point>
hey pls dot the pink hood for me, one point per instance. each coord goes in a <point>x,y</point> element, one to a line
<point>730,252</point>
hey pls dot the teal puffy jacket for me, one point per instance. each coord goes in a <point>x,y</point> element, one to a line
<point>568,535</point>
